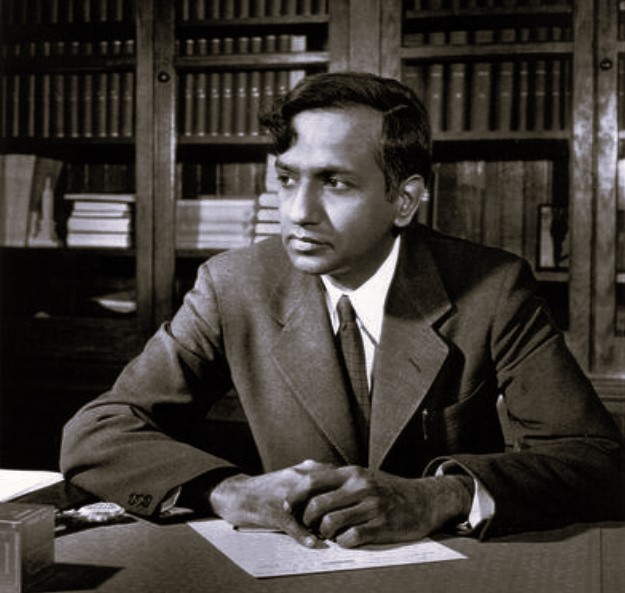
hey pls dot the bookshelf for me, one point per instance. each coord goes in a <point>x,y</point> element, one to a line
<point>511,87</point>
<point>157,99</point>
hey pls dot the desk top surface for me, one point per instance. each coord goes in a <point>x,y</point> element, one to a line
<point>138,556</point>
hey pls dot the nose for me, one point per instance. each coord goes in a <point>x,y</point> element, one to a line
<point>302,204</point>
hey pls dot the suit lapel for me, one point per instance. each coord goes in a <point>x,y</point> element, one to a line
<point>411,353</point>
<point>305,354</point>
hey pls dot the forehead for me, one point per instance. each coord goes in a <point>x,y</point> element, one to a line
<point>353,130</point>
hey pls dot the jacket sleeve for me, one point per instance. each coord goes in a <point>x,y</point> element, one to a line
<point>135,443</point>
<point>564,465</point>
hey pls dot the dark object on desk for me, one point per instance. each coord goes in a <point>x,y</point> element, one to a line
<point>27,538</point>
<point>62,496</point>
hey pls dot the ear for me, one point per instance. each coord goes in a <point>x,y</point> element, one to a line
<point>408,199</point>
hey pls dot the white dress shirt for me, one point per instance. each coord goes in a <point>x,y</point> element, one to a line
<point>368,302</point>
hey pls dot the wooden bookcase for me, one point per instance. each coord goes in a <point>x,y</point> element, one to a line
<point>59,349</point>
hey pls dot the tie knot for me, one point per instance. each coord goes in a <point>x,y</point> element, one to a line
<point>345,310</point>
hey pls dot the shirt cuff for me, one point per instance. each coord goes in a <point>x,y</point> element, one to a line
<point>483,505</point>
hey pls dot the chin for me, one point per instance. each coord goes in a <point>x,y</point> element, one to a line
<point>309,265</point>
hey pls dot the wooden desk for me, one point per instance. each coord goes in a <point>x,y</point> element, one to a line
<point>143,557</point>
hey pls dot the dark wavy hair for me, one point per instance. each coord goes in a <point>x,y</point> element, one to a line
<point>405,146</point>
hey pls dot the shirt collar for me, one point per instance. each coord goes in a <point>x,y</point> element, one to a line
<point>369,298</point>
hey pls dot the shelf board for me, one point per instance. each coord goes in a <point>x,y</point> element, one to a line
<point>73,64</point>
<point>254,61</point>
<point>493,50</point>
<point>558,276</point>
<point>256,22</point>
<point>502,136</point>
<point>64,251</point>
<point>512,12</point>
<point>221,140</point>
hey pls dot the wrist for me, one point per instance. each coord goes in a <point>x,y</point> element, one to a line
<point>221,497</point>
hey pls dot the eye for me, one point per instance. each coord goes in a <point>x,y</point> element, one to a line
<point>335,183</point>
<point>285,180</point>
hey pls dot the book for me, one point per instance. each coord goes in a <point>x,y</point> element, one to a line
<point>456,99</point>
<point>99,224</point>
<point>241,127</point>
<point>15,197</point>
<point>538,100</point>
<point>226,104</point>
<point>100,197</point>
<point>522,95</point>
<point>503,94</point>
<point>434,96</point>
<point>268,214</point>
<point>268,200</point>
<point>480,97</point>
<point>537,189</point>
<point>87,239</point>
<point>198,125</point>
<point>100,208</point>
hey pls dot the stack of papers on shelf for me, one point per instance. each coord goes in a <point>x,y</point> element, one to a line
<point>100,220</point>
<point>209,222</point>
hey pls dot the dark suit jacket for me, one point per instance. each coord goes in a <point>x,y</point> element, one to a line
<point>462,325</point>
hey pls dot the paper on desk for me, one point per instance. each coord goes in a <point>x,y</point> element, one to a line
<point>16,482</point>
<point>275,554</point>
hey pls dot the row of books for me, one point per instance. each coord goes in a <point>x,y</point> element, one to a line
<point>256,44</point>
<point>220,178</point>
<point>503,96</point>
<point>506,204</point>
<point>66,105</point>
<point>100,220</point>
<point>99,177</point>
<point>189,10</point>
<point>43,50</point>
<point>50,12</point>
<point>502,34</point>
<point>228,103</point>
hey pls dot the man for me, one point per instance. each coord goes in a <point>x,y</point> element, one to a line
<point>372,426</point>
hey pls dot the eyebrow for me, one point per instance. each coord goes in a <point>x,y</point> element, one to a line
<point>327,170</point>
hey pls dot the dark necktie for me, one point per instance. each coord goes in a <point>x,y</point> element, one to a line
<point>350,342</point>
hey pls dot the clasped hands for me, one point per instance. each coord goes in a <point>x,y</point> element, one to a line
<point>351,505</point>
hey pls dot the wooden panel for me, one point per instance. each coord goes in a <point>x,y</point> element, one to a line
<point>144,160</point>
<point>338,36</point>
<point>364,34</point>
<point>390,39</point>
<point>608,350</point>
<point>164,164</point>
<point>581,183</point>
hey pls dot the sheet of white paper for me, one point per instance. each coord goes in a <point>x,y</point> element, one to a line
<point>15,482</point>
<point>275,554</point>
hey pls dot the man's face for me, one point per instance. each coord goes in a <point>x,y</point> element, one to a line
<point>335,217</point>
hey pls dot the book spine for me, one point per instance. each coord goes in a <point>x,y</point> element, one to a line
<point>227,108</point>
<point>504,93</point>
<point>200,104</point>
<point>214,103</point>
<point>456,99</point>
<point>522,94</point>
<point>241,127</point>
<point>127,108</point>
<point>187,104</point>
<point>480,97</point>
<point>434,96</point>
<point>539,79</point>
<point>100,106</point>
<point>113,118</point>
<point>254,102</point>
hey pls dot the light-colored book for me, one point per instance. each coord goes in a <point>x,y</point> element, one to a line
<point>17,482</point>
<point>76,239</point>
<point>99,225</point>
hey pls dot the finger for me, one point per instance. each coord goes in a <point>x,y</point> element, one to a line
<point>322,504</point>
<point>306,486</point>
<point>337,522</point>
<point>292,527</point>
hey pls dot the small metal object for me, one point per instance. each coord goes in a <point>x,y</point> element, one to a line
<point>98,512</point>
<point>606,64</point>
<point>163,76</point>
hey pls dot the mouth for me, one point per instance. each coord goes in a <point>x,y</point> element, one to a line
<point>302,241</point>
